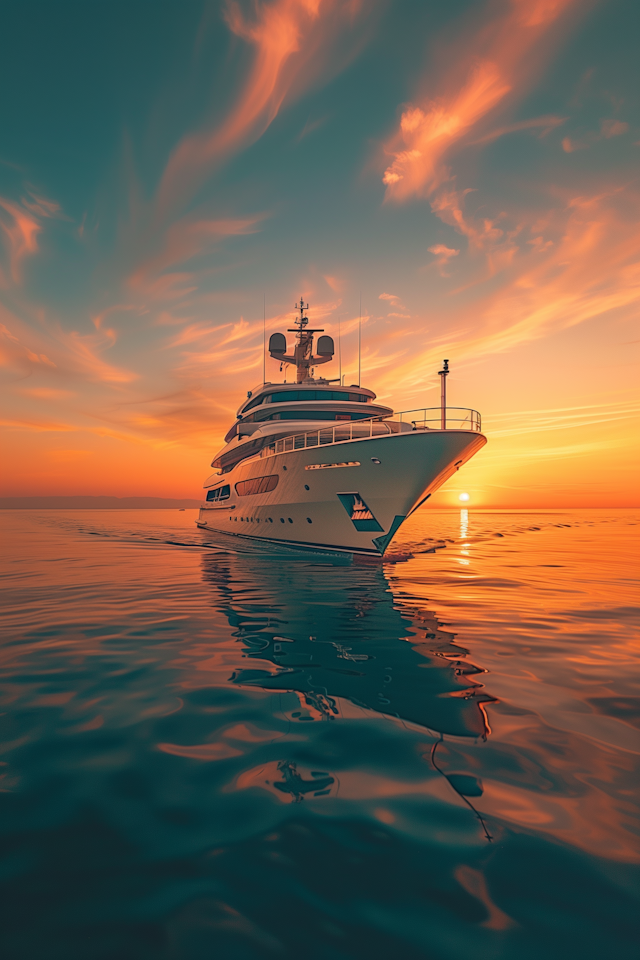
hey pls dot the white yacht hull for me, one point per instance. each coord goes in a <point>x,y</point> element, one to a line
<point>354,508</point>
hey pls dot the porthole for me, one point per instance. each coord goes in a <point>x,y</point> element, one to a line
<point>375,460</point>
<point>283,467</point>
<point>281,519</point>
<point>309,520</point>
<point>290,520</point>
<point>306,486</point>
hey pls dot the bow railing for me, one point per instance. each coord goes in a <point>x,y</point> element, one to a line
<point>437,418</point>
<point>375,427</point>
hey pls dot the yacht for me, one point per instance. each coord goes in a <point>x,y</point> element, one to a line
<point>319,465</point>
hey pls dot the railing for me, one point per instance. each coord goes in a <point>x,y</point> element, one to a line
<point>452,418</point>
<point>374,427</point>
<point>355,430</point>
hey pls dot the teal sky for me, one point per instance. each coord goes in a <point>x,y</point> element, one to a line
<point>469,169</point>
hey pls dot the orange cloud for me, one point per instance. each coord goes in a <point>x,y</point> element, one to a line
<point>563,418</point>
<point>83,353</point>
<point>613,128</point>
<point>482,233</point>
<point>181,242</point>
<point>42,207</point>
<point>569,145</point>
<point>20,230</point>
<point>76,354</point>
<point>293,41</point>
<point>592,269</point>
<point>46,393</point>
<point>443,255</point>
<point>501,58</point>
<point>41,426</point>
<point>334,283</point>
<point>608,128</point>
<point>546,123</point>
<point>14,353</point>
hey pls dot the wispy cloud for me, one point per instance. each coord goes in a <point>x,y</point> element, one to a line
<point>21,223</point>
<point>592,269</point>
<point>545,124</point>
<point>70,354</point>
<point>20,230</point>
<point>15,354</point>
<point>183,241</point>
<point>443,255</point>
<point>486,70</point>
<point>561,451</point>
<point>40,426</point>
<point>561,418</point>
<point>294,42</point>
<point>613,128</point>
<point>608,128</point>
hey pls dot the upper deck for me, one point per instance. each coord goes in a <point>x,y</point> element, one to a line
<point>308,391</point>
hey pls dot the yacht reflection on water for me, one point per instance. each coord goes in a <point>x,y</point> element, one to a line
<point>335,637</point>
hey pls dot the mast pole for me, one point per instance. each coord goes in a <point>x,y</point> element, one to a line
<point>305,339</point>
<point>264,338</point>
<point>443,374</point>
<point>360,341</point>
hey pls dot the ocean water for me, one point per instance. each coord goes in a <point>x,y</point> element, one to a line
<point>210,750</point>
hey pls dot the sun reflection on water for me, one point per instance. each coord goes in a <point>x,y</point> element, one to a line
<point>464,523</point>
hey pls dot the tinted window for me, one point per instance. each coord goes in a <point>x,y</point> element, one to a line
<point>315,415</point>
<point>290,395</point>
<point>245,488</point>
<point>287,396</point>
<point>220,493</point>
<point>257,400</point>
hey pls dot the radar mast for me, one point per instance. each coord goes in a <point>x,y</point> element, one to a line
<point>302,355</point>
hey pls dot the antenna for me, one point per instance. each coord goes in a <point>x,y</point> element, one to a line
<point>264,338</point>
<point>360,341</point>
<point>339,350</point>
<point>302,321</point>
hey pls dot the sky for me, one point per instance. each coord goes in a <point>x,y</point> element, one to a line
<point>465,174</point>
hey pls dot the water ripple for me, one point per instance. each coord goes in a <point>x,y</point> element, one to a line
<point>207,751</point>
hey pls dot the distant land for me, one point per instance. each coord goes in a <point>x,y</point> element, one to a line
<point>95,503</point>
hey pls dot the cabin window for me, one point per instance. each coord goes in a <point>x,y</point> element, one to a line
<point>314,415</point>
<point>245,488</point>
<point>289,396</point>
<point>220,493</point>
<point>257,401</point>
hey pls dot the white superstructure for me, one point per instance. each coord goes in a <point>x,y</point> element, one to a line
<point>319,465</point>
